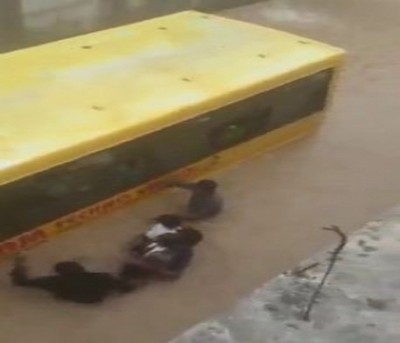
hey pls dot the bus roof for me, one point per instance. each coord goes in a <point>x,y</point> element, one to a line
<point>66,99</point>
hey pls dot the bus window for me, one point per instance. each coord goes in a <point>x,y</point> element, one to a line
<point>240,130</point>
<point>47,196</point>
<point>190,141</point>
<point>300,98</point>
<point>179,145</point>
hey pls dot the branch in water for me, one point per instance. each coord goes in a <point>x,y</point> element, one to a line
<point>300,272</point>
<point>332,261</point>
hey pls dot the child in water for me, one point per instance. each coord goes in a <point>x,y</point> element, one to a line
<point>205,201</point>
<point>166,258</point>
<point>71,282</point>
<point>163,224</point>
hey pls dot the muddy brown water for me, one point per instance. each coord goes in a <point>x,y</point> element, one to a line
<point>345,174</point>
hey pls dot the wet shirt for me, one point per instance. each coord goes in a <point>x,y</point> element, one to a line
<point>82,287</point>
<point>202,204</point>
<point>173,259</point>
<point>158,230</point>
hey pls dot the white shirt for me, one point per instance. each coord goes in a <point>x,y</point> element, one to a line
<point>159,230</point>
<point>154,248</point>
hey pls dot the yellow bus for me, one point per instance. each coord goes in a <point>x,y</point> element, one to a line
<point>93,123</point>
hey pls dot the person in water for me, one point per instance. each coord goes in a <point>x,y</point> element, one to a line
<point>71,282</point>
<point>167,258</point>
<point>204,202</point>
<point>162,225</point>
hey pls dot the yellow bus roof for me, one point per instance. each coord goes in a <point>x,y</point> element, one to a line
<point>66,99</point>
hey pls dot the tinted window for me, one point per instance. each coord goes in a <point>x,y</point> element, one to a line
<point>46,196</point>
<point>240,130</point>
<point>300,98</point>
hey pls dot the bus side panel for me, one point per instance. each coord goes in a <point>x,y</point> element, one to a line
<point>268,119</point>
<point>212,164</point>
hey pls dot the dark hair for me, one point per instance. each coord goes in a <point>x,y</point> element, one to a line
<point>191,237</point>
<point>169,220</point>
<point>68,268</point>
<point>207,185</point>
<point>185,237</point>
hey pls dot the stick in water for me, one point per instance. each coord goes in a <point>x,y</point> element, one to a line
<point>332,261</point>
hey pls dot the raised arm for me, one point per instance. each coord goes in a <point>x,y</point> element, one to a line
<point>19,277</point>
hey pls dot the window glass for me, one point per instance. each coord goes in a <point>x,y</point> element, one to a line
<point>44,197</point>
<point>240,130</point>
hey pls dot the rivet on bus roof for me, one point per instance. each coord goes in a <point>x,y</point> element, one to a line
<point>186,79</point>
<point>86,47</point>
<point>205,17</point>
<point>303,42</point>
<point>97,108</point>
<point>163,28</point>
<point>262,55</point>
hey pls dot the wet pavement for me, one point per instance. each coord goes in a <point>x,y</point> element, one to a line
<point>345,174</point>
<point>360,302</point>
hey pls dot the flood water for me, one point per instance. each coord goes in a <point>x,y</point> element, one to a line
<point>29,22</point>
<point>346,174</point>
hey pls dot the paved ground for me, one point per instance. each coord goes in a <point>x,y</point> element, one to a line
<point>360,301</point>
<point>345,174</point>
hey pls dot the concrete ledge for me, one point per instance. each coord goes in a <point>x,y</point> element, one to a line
<point>359,304</point>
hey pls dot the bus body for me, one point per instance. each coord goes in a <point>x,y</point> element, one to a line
<point>93,123</point>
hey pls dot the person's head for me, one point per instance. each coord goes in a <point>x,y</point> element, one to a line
<point>170,221</point>
<point>207,185</point>
<point>68,268</point>
<point>190,237</point>
<point>185,237</point>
